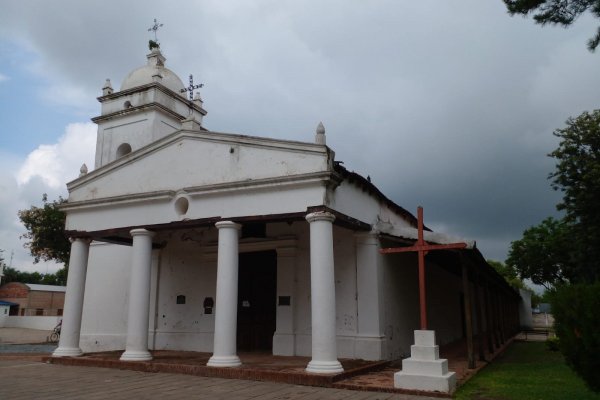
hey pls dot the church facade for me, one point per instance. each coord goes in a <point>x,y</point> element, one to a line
<point>189,239</point>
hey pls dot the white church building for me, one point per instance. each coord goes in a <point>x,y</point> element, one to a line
<point>185,238</point>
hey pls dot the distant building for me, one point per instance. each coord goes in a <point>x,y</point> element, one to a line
<point>30,299</point>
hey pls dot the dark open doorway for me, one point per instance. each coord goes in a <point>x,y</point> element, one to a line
<point>257,290</point>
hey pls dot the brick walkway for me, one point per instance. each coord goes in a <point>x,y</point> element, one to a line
<point>24,379</point>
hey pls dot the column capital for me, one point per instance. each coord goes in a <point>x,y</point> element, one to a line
<point>320,216</point>
<point>368,238</point>
<point>228,224</point>
<point>141,232</point>
<point>84,239</point>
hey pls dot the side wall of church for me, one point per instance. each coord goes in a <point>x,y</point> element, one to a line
<point>401,302</point>
<point>402,315</point>
<point>444,304</point>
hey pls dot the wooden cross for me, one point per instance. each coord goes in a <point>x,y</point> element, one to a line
<point>422,247</point>
<point>192,87</point>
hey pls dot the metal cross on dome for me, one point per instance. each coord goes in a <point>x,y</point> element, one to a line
<point>192,87</point>
<point>155,28</point>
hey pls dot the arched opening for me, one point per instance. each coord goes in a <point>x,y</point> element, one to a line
<point>181,206</point>
<point>123,149</point>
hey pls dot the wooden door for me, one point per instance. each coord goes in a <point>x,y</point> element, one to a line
<point>257,291</point>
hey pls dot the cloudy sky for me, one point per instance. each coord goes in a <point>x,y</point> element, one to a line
<point>445,104</point>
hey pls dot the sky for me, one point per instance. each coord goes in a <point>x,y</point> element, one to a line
<point>449,105</point>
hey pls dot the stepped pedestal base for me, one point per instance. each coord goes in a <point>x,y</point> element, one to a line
<point>425,370</point>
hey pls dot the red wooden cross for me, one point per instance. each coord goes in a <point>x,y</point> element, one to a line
<point>422,247</point>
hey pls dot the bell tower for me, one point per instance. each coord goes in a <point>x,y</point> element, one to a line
<point>150,105</point>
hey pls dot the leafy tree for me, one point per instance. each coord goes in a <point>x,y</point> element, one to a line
<point>543,254</point>
<point>13,275</point>
<point>511,276</point>
<point>45,230</point>
<point>557,12</point>
<point>577,175</point>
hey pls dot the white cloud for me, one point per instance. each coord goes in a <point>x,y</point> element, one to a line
<point>44,170</point>
<point>58,163</point>
<point>3,77</point>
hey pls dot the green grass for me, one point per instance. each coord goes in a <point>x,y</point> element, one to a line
<point>526,371</point>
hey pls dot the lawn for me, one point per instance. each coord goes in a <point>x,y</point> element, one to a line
<point>526,371</point>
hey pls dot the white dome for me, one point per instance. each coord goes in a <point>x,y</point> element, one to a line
<point>154,71</point>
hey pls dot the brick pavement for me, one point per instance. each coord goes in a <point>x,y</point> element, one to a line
<point>25,379</point>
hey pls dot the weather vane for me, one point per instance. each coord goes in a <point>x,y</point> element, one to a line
<point>192,87</point>
<point>154,28</point>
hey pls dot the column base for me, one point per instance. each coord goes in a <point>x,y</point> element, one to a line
<point>135,355</point>
<point>324,367</point>
<point>67,352</point>
<point>224,361</point>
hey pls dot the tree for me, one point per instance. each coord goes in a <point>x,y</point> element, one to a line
<point>45,231</point>
<point>13,275</point>
<point>577,175</point>
<point>557,12</point>
<point>543,254</point>
<point>511,276</point>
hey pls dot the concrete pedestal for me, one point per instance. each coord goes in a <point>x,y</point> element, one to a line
<point>425,370</point>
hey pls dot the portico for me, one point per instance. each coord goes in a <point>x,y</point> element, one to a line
<point>228,247</point>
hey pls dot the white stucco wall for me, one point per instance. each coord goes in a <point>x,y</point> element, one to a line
<point>185,271</point>
<point>4,310</point>
<point>104,319</point>
<point>525,312</point>
<point>29,322</point>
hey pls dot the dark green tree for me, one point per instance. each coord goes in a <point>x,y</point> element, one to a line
<point>543,254</point>
<point>557,12</point>
<point>46,231</point>
<point>577,176</point>
<point>13,275</point>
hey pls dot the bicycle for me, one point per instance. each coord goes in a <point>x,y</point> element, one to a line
<point>55,335</point>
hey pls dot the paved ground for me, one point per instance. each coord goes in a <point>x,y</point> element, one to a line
<point>27,379</point>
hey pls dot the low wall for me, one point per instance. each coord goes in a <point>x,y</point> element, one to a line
<point>30,322</point>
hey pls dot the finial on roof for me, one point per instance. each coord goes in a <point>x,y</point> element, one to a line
<point>83,170</point>
<point>320,136</point>
<point>107,88</point>
<point>198,99</point>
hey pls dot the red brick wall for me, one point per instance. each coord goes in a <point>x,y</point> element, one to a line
<point>13,290</point>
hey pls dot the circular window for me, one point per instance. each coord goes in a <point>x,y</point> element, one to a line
<point>181,206</point>
<point>123,149</point>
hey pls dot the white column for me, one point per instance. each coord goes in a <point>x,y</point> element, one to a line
<point>224,350</point>
<point>369,279</point>
<point>136,347</point>
<point>322,286</point>
<point>68,345</point>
